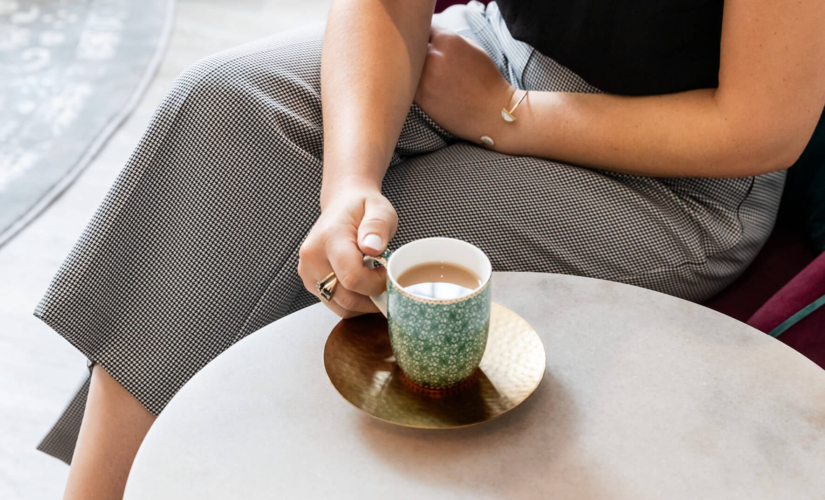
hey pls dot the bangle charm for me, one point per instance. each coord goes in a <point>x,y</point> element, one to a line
<point>488,141</point>
<point>508,115</point>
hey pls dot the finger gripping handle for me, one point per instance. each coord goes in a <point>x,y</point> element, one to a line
<point>371,262</point>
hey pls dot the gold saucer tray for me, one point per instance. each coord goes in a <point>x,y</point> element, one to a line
<point>360,364</point>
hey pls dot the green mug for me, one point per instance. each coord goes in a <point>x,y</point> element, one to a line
<point>437,343</point>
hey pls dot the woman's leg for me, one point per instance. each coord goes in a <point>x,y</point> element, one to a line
<point>114,425</point>
<point>196,245</point>
<point>683,237</point>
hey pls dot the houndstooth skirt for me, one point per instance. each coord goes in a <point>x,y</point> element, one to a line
<point>196,245</point>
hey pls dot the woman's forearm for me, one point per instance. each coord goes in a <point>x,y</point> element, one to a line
<point>769,99</point>
<point>732,131</point>
<point>371,62</point>
<point>673,135</point>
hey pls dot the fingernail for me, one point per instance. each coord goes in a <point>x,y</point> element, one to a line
<point>373,241</point>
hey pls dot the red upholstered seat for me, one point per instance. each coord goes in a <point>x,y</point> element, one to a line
<point>783,279</point>
<point>808,335</point>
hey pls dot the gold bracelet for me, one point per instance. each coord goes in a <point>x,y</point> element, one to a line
<point>508,115</point>
<point>488,141</point>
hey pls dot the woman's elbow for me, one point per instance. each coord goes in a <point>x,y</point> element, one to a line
<point>790,158</point>
<point>762,153</point>
<point>783,157</point>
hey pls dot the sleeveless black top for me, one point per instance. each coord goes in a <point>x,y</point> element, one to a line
<point>630,47</point>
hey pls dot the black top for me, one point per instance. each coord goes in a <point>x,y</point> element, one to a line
<point>631,47</point>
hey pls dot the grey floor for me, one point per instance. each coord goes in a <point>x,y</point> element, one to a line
<point>39,370</point>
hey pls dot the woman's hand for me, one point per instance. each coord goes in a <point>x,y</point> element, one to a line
<point>461,87</point>
<point>356,218</point>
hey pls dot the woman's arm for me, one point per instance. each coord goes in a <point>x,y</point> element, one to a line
<point>370,65</point>
<point>770,96</point>
<point>371,62</point>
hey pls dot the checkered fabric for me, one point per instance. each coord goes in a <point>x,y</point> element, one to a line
<point>196,245</point>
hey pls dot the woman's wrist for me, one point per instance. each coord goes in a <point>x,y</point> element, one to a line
<point>352,163</point>
<point>506,100</point>
<point>347,185</point>
<point>496,127</point>
<point>523,136</point>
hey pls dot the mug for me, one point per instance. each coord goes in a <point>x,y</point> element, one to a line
<point>437,343</point>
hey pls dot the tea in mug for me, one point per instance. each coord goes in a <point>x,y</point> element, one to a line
<point>439,281</point>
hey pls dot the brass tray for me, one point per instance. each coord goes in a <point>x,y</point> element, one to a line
<point>360,364</point>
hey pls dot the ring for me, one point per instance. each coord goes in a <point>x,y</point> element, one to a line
<point>326,287</point>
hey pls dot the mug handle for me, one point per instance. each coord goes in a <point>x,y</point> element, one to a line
<point>380,301</point>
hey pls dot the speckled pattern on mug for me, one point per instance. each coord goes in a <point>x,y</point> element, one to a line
<point>438,344</point>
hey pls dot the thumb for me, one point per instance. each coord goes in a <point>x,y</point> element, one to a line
<point>377,227</point>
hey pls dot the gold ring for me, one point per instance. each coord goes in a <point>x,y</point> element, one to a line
<point>326,287</point>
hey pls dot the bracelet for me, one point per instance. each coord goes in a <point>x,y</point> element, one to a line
<point>488,141</point>
<point>508,115</point>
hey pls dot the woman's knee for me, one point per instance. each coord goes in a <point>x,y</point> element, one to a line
<point>266,92</point>
<point>273,69</point>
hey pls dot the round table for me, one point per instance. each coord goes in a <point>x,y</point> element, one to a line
<point>645,396</point>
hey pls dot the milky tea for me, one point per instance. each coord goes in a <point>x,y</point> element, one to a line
<point>439,281</point>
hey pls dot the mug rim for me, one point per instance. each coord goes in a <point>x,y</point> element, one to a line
<point>485,279</point>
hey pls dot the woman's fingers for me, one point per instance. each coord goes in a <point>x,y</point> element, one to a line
<point>377,227</point>
<point>357,221</point>
<point>313,266</point>
<point>356,282</point>
<point>310,275</point>
<point>347,262</point>
<point>353,302</point>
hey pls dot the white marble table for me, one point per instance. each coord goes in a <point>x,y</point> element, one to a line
<point>645,397</point>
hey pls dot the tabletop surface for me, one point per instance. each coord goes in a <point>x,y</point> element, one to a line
<point>645,396</point>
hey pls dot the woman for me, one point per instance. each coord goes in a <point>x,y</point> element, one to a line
<point>240,198</point>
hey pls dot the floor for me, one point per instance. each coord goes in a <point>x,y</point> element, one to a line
<point>39,371</point>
